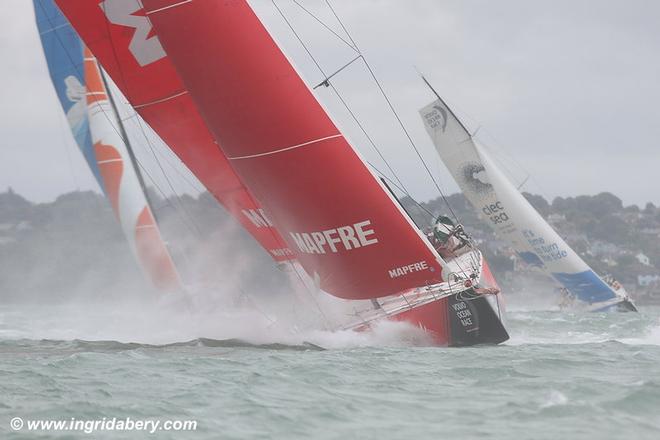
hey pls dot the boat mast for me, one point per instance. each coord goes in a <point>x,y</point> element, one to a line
<point>127,142</point>
<point>136,166</point>
<point>445,104</point>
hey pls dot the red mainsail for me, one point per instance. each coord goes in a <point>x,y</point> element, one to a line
<point>348,232</point>
<point>121,37</point>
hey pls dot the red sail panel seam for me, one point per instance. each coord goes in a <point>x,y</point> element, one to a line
<point>281,150</point>
<point>167,7</point>
<point>158,101</point>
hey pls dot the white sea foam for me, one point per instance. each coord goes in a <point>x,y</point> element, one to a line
<point>554,398</point>
<point>163,322</point>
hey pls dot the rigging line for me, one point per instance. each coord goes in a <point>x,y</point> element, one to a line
<point>524,182</point>
<point>134,162</point>
<point>449,109</point>
<point>329,77</point>
<point>196,230</point>
<point>409,137</point>
<point>472,136</point>
<point>496,147</point>
<point>326,26</point>
<point>179,172</point>
<point>122,132</point>
<point>327,2</point>
<point>354,116</point>
<point>65,147</point>
<point>370,140</point>
<point>279,239</point>
<point>419,205</point>
<point>364,131</point>
<point>174,167</point>
<point>396,114</point>
<point>77,69</point>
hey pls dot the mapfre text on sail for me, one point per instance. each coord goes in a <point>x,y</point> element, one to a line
<point>336,240</point>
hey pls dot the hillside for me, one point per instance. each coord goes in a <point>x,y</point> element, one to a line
<point>75,245</point>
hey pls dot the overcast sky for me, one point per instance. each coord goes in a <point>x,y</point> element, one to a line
<point>565,91</point>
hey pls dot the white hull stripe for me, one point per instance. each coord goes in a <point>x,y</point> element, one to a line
<point>168,7</point>
<point>158,101</point>
<point>304,144</point>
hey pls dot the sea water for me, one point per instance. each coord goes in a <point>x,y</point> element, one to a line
<point>561,375</point>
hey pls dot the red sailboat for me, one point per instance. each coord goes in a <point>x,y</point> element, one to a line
<point>213,83</point>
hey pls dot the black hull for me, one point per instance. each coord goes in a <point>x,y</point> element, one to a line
<point>472,321</point>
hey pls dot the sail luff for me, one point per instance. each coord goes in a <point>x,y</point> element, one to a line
<point>349,233</point>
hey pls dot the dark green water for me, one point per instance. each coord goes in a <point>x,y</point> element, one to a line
<point>569,376</point>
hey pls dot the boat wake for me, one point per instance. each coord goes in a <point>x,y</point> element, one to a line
<point>131,325</point>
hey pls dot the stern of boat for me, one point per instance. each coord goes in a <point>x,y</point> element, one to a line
<point>464,319</point>
<point>462,311</point>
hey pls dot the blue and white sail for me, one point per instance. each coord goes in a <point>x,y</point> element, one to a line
<point>503,207</point>
<point>64,56</point>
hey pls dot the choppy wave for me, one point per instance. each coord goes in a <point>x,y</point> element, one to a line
<point>577,376</point>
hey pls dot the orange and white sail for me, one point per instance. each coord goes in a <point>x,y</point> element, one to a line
<point>122,183</point>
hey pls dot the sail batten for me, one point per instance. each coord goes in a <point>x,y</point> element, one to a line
<point>292,147</point>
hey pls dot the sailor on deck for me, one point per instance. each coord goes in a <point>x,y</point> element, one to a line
<point>449,240</point>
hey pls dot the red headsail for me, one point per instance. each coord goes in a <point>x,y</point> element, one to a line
<point>348,232</point>
<point>121,37</point>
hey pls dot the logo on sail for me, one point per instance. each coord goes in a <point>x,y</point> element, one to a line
<point>475,177</point>
<point>437,118</point>
<point>408,269</point>
<point>144,46</point>
<point>443,113</point>
<point>257,217</point>
<point>347,238</point>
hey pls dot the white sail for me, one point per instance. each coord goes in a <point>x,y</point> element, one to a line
<point>501,205</point>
